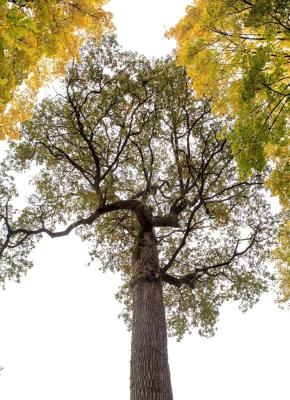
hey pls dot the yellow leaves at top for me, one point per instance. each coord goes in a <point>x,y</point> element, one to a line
<point>199,49</point>
<point>206,82</point>
<point>37,39</point>
<point>200,38</point>
<point>220,34</point>
<point>237,53</point>
<point>19,109</point>
<point>234,95</point>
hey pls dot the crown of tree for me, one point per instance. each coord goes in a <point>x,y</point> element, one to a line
<point>125,149</point>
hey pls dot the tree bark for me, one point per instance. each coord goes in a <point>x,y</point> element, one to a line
<point>150,375</point>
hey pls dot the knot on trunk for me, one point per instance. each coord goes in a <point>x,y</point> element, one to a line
<point>147,275</point>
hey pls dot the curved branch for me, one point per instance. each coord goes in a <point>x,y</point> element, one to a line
<point>190,279</point>
<point>146,221</point>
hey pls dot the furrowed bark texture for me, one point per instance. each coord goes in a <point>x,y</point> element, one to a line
<point>150,375</point>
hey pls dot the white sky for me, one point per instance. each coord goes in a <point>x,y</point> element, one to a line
<point>60,338</point>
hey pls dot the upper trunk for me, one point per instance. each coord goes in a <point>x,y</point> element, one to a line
<point>150,376</point>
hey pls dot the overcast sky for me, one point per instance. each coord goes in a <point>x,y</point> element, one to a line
<point>60,336</point>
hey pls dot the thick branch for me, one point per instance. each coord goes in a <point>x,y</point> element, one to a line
<point>146,221</point>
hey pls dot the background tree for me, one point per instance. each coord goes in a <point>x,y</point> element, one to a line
<point>37,39</point>
<point>237,51</point>
<point>129,159</point>
<point>282,258</point>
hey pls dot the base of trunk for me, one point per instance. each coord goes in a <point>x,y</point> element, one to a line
<point>150,376</point>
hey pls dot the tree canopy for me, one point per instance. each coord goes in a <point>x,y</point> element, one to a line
<point>123,146</point>
<point>237,51</point>
<point>37,39</point>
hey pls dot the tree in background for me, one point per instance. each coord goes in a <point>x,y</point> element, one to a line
<point>129,159</point>
<point>237,52</point>
<point>37,39</point>
<point>282,256</point>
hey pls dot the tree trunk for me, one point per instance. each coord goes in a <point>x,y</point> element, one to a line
<point>150,375</point>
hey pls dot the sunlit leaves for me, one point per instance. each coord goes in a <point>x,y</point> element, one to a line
<point>37,39</point>
<point>238,53</point>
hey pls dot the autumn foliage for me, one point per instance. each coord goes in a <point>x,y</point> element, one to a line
<point>37,39</point>
<point>238,53</point>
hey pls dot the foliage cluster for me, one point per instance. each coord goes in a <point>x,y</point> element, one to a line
<point>126,141</point>
<point>237,51</point>
<point>37,39</point>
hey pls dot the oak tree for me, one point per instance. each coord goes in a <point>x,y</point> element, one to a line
<point>37,39</point>
<point>129,159</point>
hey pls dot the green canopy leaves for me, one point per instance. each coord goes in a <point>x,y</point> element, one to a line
<point>123,146</point>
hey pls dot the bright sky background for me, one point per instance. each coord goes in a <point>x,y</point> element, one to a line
<point>60,338</point>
